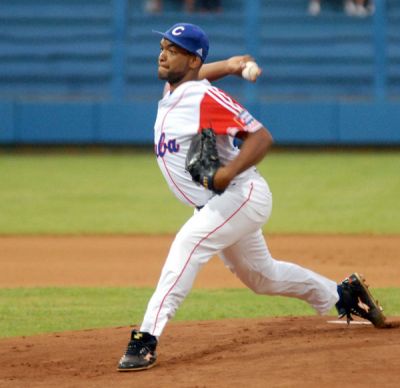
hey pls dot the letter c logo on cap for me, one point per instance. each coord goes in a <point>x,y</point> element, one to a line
<point>178,30</point>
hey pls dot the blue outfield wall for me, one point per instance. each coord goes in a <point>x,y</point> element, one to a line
<point>85,73</point>
<point>335,123</point>
<point>76,123</point>
<point>338,123</point>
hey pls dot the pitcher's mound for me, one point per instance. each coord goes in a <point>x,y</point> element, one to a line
<point>290,351</point>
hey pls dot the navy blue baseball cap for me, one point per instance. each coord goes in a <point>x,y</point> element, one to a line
<point>188,36</point>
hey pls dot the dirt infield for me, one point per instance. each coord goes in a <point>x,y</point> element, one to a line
<point>279,352</point>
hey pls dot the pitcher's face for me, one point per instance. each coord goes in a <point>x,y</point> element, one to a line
<point>174,62</point>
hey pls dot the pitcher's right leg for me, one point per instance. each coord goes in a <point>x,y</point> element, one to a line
<point>252,262</point>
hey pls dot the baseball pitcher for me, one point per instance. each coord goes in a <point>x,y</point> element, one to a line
<point>194,135</point>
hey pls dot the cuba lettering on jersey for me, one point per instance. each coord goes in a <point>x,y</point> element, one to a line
<point>192,106</point>
<point>163,147</point>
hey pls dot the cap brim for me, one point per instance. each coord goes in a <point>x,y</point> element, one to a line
<point>164,35</point>
<point>158,32</point>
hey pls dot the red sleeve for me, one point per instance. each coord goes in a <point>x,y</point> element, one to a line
<point>224,115</point>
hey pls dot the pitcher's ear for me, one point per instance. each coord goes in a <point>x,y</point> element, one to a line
<point>195,62</point>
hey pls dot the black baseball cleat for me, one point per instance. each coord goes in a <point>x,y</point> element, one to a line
<point>356,299</point>
<point>140,354</point>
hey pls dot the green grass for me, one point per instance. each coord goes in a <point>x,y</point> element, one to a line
<point>342,192</point>
<point>77,193</point>
<point>26,311</point>
<point>85,193</point>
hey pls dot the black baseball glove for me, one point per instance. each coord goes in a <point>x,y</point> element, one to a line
<point>202,160</point>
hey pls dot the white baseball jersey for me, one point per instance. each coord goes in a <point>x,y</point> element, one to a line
<point>192,106</point>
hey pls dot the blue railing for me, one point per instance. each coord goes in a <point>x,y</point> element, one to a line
<point>380,46</point>
<point>331,79</point>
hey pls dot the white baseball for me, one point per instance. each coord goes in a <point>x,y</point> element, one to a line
<point>251,71</point>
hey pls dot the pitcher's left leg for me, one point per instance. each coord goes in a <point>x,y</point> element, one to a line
<point>219,224</point>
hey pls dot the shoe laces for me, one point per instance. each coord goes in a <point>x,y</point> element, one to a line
<point>352,301</point>
<point>136,348</point>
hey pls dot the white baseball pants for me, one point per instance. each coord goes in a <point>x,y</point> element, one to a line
<point>230,226</point>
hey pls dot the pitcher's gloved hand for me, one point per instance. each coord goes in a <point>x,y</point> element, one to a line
<point>202,160</point>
